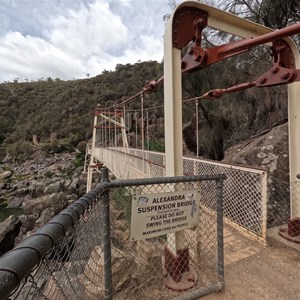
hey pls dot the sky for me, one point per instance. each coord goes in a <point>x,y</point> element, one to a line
<point>72,39</point>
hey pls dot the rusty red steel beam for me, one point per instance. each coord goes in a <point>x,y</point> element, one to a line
<point>249,43</point>
<point>198,58</point>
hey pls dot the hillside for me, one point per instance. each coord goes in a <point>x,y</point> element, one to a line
<point>60,112</point>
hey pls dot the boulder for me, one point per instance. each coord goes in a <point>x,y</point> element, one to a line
<point>54,187</point>
<point>9,230</point>
<point>22,192</point>
<point>73,187</point>
<point>67,183</point>
<point>5,174</point>
<point>56,201</point>
<point>270,151</point>
<point>36,189</point>
<point>45,216</point>
<point>15,203</point>
<point>34,207</point>
<point>28,223</point>
<point>72,197</point>
<point>39,211</point>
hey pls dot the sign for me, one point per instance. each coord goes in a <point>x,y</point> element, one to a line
<point>158,214</point>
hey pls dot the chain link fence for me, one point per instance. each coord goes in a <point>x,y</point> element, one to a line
<point>253,200</point>
<point>245,190</point>
<point>132,163</point>
<point>284,208</point>
<point>245,194</point>
<point>91,250</point>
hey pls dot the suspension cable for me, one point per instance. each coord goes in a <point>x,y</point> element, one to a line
<point>197,126</point>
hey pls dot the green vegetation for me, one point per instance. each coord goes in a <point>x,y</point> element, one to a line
<point>60,112</point>
<point>79,160</point>
<point>123,201</point>
<point>155,145</point>
<point>49,174</point>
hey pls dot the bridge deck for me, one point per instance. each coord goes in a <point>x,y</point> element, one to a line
<point>253,271</point>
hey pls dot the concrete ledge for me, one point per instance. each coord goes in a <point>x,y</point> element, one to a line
<point>273,236</point>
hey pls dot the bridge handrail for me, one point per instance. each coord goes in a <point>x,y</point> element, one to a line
<point>17,264</point>
<point>241,167</point>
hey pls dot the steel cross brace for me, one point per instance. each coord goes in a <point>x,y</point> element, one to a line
<point>188,26</point>
<point>282,72</point>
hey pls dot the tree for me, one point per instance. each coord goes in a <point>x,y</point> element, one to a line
<point>275,14</point>
<point>233,117</point>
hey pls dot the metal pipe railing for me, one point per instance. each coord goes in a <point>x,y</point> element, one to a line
<point>18,263</point>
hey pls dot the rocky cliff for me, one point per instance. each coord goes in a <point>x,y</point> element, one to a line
<point>40,188</point>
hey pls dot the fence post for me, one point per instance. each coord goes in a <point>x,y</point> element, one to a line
<point>264,206</point>
<point>219,196</point>
<point>107,268</point>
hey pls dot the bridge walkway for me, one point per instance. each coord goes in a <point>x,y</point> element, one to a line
<point>254,271</point>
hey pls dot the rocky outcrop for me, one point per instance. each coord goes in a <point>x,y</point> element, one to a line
<point>9,230</point>
<point>41,187</point>
<point>5,174</point>
<point>270,150</point>
<point>39,211</point>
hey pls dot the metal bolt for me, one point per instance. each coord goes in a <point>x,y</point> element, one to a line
<point>285,75</point>
<point>198,57</point>
<point>274,70</point>
<point>191,278</point>
<point>263,80</point>
<point>191,51</point>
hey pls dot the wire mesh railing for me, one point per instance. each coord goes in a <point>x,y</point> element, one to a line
<point>245,194</point>
<point>245,190</point>
<point>131,163</point>
<point>91,250</point>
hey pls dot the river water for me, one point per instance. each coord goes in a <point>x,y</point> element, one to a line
<point>6,212</point>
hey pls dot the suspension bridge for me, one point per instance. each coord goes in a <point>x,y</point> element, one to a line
<point>157,230</point>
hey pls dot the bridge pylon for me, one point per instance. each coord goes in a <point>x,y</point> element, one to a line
<point>102,136</point>
<point>185,27</point>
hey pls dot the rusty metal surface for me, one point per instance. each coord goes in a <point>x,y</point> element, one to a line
<point>188,24</point>
<point>152,86</point>
<point>198,58</point>
<point>184,25</point>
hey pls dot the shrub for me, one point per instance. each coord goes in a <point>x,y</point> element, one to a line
<point>79,160</point>
<point>20,150</point>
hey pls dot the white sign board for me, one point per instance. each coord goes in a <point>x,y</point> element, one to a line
<point>158,214</point>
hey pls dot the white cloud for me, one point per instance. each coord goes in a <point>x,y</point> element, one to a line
<point>32,58</point>
<point>89,37</point>
<point>89,30</point>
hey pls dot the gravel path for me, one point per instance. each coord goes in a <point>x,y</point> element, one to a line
<point>257,272</point>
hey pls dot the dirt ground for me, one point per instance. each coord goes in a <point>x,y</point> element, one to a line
<point>254,271</point>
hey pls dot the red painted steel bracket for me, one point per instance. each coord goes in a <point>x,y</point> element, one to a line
<point>283,70</point>
<point>196,58</point>
<point>188,24</point>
